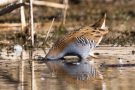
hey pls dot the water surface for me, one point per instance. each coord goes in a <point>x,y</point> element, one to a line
<point>16,74</point>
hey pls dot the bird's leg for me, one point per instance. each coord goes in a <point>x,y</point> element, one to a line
<point>92,55</point>
<point>79,61</point>
<point>76,62</point>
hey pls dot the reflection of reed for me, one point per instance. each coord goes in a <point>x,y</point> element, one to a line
<point>33,86</point>
<point>118,65</point>
<point>104,85</point>
<point>21,75</point>
<point>33,77</point>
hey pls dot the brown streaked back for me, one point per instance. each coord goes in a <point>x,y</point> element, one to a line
<point>90,33</point>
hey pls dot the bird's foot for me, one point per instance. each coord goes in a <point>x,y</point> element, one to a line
<point>93,55</point>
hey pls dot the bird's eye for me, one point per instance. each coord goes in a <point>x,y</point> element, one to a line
<point>102,29</point>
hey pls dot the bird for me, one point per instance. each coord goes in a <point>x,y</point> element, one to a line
<point>79,42</point>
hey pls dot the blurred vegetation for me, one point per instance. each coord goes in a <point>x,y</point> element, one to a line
<point>120,20</point>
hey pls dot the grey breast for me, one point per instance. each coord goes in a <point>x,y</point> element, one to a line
<point>81,46</point>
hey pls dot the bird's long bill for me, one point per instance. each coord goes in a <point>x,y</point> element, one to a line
<point>101,23</point>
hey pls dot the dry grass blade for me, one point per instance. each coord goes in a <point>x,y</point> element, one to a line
<point>48,32</point>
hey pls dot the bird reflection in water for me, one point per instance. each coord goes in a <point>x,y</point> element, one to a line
<point>84,75</point>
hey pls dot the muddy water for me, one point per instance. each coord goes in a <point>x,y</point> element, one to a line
<point>16,74</point>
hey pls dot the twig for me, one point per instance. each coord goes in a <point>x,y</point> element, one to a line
<point>5,2</point>
<point>5,25</point>
<point>23,24</point>
<point>10,8</point>
<point>23,21</point>
<point>31,22</point>
<point>50,4</point>
<point>65,11</point>
<point>5,42</point>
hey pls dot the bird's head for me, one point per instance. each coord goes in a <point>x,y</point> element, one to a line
<point>100,25</point>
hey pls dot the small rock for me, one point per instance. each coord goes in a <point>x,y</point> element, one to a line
<point>133,52</point>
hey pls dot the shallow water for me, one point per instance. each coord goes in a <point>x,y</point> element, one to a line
<point>16,74</point>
